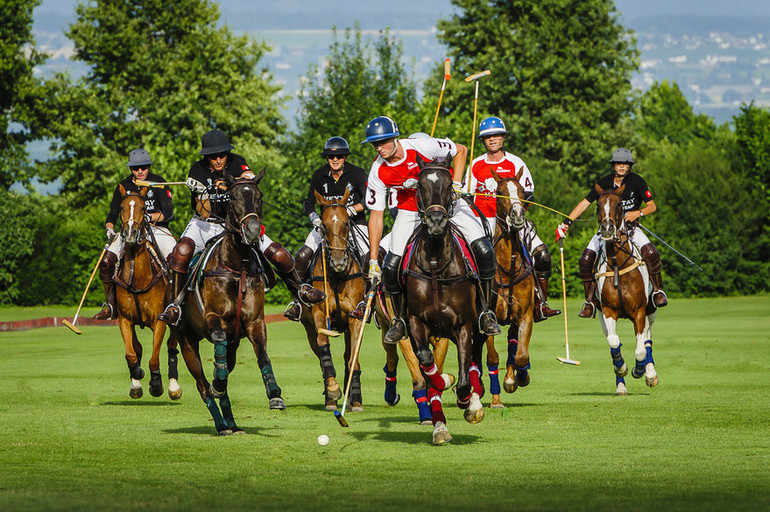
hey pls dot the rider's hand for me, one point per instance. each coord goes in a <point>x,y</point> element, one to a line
<point>195,186</point>
<point>351,211</point>
<point>561,231</point>
<point>410,183</point>
<point>316,220</point>
<point>375,272</point>
<point>490,184</point>
<point>110,234</point>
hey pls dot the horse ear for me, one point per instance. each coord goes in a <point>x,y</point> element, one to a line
<point>261,174</point>
<point>321,199</point>
<point>520,174</point>
<point>495,174</point>
<point>143,191</point>
<point>448,160</point>
<point>345,196</point>
<point>122,190</point>
<point>599,190</point>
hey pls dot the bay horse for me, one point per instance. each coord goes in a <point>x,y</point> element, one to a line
<point>338,273</point>
<point>513,292</point>
<point>440,294</point>
<point>623,283</point>
<point>141,285</point>
<point>229,304</point>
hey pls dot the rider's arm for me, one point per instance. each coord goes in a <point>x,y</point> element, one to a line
<point>375,233</point>
<point>579,209</point>
<point>648,209</point>
<point>458,163</point>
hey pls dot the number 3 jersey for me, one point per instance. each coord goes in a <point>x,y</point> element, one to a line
<point>484,185</point>
<point>384,175</point>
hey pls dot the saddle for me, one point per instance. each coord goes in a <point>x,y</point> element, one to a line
<point>470,261</point>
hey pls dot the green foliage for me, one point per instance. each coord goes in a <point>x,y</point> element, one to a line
<point>560,75</point>
<point>161,74</point>
<point>16,243</point>
<point>752,131</point>
<point>18,57</point>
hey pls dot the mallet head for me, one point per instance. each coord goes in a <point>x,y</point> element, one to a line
<point>478,75</point>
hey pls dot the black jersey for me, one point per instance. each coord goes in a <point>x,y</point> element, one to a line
<point>200,171</point>
<point>634,194</point>
<point>323,183</point>
<point>156,200</point>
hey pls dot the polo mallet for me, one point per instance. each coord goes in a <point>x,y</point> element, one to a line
<point>447,76</point>
<point>475,78</point>
<point>341,415</point>
<point>159,184</point>
<point>85,292</point>
<point>328,331</point>
<point>565,360</point>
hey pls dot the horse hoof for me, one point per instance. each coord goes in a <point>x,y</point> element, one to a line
<point>238,431</point>
<point>475,411</point>
<point>496,403</point>
<point>449,380</point>
<point>136,389</point>
<point>356,408</point>
<point>651,382</point>
<point>333,390</point>
<point>510,385</point>
<point>622,371</point>
<point>441,434</point>
<point>156,390</point>
<point>277,403</point>
<point>522,383</point>
<point>225,432</point>
<point>621,390</point>
<point>426,422</point>
<point>331,406</point>
<point>174,390</point>
<point>395,400</point>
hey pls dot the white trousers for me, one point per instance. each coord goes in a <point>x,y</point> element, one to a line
<point>200,232</point>
<point>638,238</point>
<point>359,238</point>
<point>163,236</point>
<point>526,233</point>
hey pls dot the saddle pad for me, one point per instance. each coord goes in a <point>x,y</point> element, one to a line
<point>458,239</point>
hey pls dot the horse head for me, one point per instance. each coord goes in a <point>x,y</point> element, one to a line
<point>244,214</point>
<point>609,210</point>
<point>510,209</point>
<point>434,194</point>
<point>334,218</point>
<point>132,212</point>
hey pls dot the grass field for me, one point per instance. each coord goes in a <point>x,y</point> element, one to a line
<point>74,440</point>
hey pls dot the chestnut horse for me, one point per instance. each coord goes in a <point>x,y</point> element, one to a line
<point>440,295</point>
<point>337,272</point>
<point>142,282</point>
<point>229,304</point>
<point>513,294</point>
<point>623,283</point>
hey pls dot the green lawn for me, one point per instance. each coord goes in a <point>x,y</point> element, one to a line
<point>74,440</point>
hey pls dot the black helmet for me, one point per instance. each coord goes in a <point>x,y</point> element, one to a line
<point>622,156</point>
<point>336,146</point>
<point>215,141</point>
<point>380,128</point>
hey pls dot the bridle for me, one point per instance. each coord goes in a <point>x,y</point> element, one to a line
<point>505,222</point>
<point>422,211</point>
<point>611,218</point>
<point>126,233</point>
<point>239,225</point>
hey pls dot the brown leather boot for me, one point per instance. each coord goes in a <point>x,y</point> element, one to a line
<point>109,309</point>
<point>589,306</point>
<point>586,267</point>
<point>179,263</point>
<point>654,267</point>
<point>542,309</point>
<point>286,269</point>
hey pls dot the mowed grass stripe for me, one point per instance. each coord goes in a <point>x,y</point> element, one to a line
<point>73,440</point>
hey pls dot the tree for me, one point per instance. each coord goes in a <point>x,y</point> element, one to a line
<point>18,58</point>
<point>561,75</point>
<point>161,74</point>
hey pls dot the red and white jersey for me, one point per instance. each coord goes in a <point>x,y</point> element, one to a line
<point>482,181</point>
<point>384,175</point>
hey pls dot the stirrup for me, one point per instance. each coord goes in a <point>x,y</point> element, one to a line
<point>492,330</point>
<point>294,317</point>
<point>304,287</point>
<point>391,334</point>
<point>359,311</point>
<point>167,315</point>
<point>664,301</point>
<point>113,314</point>
<point>593,310</point>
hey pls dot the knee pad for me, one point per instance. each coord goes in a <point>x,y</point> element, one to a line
<point>484,253</point>
<point>180,257</point>
<point>390,273</point>
<point>541,259</point>
<point>107,267</point>
<point>280,257</point>
<point>587,261</point>
<point>651,257</point>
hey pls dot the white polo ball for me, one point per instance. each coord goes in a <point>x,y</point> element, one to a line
<point>323,439</point>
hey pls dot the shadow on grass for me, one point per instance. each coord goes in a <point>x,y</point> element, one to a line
<point>416,438</point>
<point>140,402</point>
<point>210,431</point>
<point>608,394</point>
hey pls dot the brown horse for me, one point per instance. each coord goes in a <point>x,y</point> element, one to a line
<point>513,295</point>
<point>230,304</point>
<point>440,294</point>
<point>141,287</point>
<point>623,282</point>
<point>338,273</point>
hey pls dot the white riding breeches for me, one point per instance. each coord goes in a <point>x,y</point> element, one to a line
<point>200,232</point>
<point>638,238</point>
<point>526,233</point>
<point>359,238</point>
<point>163,237</point>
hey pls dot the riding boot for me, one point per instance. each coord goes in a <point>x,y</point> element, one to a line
<point>302,261</point>
<point>590,306</point>
<point>109,309</point>
<point>179,265</point>
<point>487,321</point>
<point>285,267</point>
<point>360,309</point>
<point>542,309</point>
<point>654,267</point>
<point>397,330</point>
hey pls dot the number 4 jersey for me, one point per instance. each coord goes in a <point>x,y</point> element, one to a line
<point>483,184</point>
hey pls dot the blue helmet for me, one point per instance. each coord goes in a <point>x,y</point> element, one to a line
<point>380,128</point>
<point>492,126</point>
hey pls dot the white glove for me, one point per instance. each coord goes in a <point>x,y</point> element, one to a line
<point>490,184</point>
<point>195,186</point>
<point>375,272</point>
<point>351,211</point>
<point>110,234</point>
<point>410,183</point>
<point>316,220</point>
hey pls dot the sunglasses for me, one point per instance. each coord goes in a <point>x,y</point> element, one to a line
<point>335,157</point>
<point>217,156</point>
<point>137,168</point>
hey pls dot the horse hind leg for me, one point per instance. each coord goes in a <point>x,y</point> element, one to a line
<point>355,399</point>
<point>619,365</point>
<point>493,362</point>
<point>174,390</point>
<point>219,384</point>
<point>441,433</point>
<point>227,416</point>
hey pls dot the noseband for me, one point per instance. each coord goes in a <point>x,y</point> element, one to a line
<point>240,225</point>
<point>612,218</point>
<point>422,211</point>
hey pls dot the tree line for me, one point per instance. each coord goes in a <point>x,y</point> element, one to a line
<point>161,74</point>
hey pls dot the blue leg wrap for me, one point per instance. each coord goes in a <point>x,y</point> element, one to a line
<point>421,399</point>
<point>494,379</point>
<point>648,347</point>
<point>618,380</point>
<point>390,385</point>
<point>617,358</point>
<point>513,346</point>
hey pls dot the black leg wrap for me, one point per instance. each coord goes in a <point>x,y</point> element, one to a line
<point>136,370</point>
<point>173,361</point>
<point>327,365</point>
<point>355,388</point>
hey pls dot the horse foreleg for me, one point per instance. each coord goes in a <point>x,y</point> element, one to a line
<point>430,370</point>
<point>522,353</point>
<point>391,372</point>
<point>493,365</point>
<point>174,391</point>
<point>609,327</point>
<point>419,385</point>
<point>469,378</point>
<point>133,360</point>
<point>192,359</point>
<point>353,371</point>
<point>257,333</point>
<point>509,383</point>
<point>156,382</point>
<point>644,362</point>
